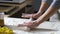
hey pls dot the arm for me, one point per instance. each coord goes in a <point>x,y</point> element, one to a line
<point>50,11</point>
<point>44,6</point>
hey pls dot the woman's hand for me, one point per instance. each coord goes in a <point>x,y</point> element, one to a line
<point>34,16</point>
<point>30,24</point>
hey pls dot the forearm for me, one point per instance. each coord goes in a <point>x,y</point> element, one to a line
<point>47,15</point>
<point>44,6</point>
<point>50,11</point>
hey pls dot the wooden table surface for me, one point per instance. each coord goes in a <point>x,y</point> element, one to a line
<point>5,9</point>
<point>12,5</point>
<point>15,4</point>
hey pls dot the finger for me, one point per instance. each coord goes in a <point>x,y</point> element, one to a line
<point>23,15</point>
<point>27,23</point>
<point>26,15</point>
<point>21,25</point>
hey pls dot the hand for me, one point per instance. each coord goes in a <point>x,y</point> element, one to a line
<point>34,16</point>
<point>30,24</point>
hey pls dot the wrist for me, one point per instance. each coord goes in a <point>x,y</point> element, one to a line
<point>39,13</point>
<point>37,22</point>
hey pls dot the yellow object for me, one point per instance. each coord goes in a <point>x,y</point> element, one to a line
<point>5,30</point>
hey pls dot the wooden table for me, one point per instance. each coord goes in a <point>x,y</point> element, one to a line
<point>5,9</point>
<point>13,5</point>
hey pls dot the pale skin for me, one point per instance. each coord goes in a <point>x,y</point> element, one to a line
<point>48,13</point>
<point>39,13</point>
